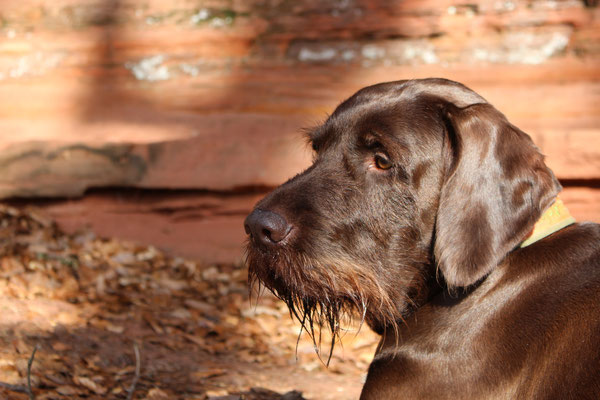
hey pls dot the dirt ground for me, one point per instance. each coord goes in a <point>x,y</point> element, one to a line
<point>89,304</point>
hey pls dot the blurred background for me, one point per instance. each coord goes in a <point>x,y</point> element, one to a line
<point>163,122</point>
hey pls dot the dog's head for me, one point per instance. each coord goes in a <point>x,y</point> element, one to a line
<point>409,179</point>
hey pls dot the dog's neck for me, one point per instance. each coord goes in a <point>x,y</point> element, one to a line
<point>555,218</point>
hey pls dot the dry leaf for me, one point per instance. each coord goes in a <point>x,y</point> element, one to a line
<point>217,393</point>
<point>59,346</point>
<point>68,390</point>
<point>156,394</point>
<point>89,384</point>
<point>209,373</point>
<point>115,328</point>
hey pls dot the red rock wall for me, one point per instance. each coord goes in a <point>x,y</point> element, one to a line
<point>209,96</point>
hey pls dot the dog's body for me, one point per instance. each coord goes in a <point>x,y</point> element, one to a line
<point>412,214</point>
<point>530,330</point>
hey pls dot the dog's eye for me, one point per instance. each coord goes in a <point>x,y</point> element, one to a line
<point>382,162</point>
<point>314,146</point>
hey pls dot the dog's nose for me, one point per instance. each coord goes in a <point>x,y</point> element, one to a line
<point>266,227</point>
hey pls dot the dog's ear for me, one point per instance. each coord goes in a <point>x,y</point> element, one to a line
<point>495,189</point>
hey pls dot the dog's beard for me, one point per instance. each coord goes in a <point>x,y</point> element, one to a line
<point>322,294</point>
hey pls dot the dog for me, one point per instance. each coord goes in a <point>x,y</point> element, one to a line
<point>434,220</point>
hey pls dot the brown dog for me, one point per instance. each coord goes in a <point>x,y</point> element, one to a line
<point>413,215</point>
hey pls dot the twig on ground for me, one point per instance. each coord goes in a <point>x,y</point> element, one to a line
<point>29,391</point>
<point>22,388</point>
<point>136,377</point>
<point>13,388</point>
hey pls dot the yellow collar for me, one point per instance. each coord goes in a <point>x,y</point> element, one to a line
<point>553,219</point>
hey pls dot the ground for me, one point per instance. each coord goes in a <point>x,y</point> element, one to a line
<point>88,304</point>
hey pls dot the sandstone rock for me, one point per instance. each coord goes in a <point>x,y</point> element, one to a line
<point>207,227</point>
<point>582,202</point>
<point>224,153</point>
<point>162,94</point>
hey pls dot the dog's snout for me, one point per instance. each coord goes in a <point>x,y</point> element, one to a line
<point>266,227</point>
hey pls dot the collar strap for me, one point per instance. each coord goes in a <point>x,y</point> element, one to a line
<point>553,219</point>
